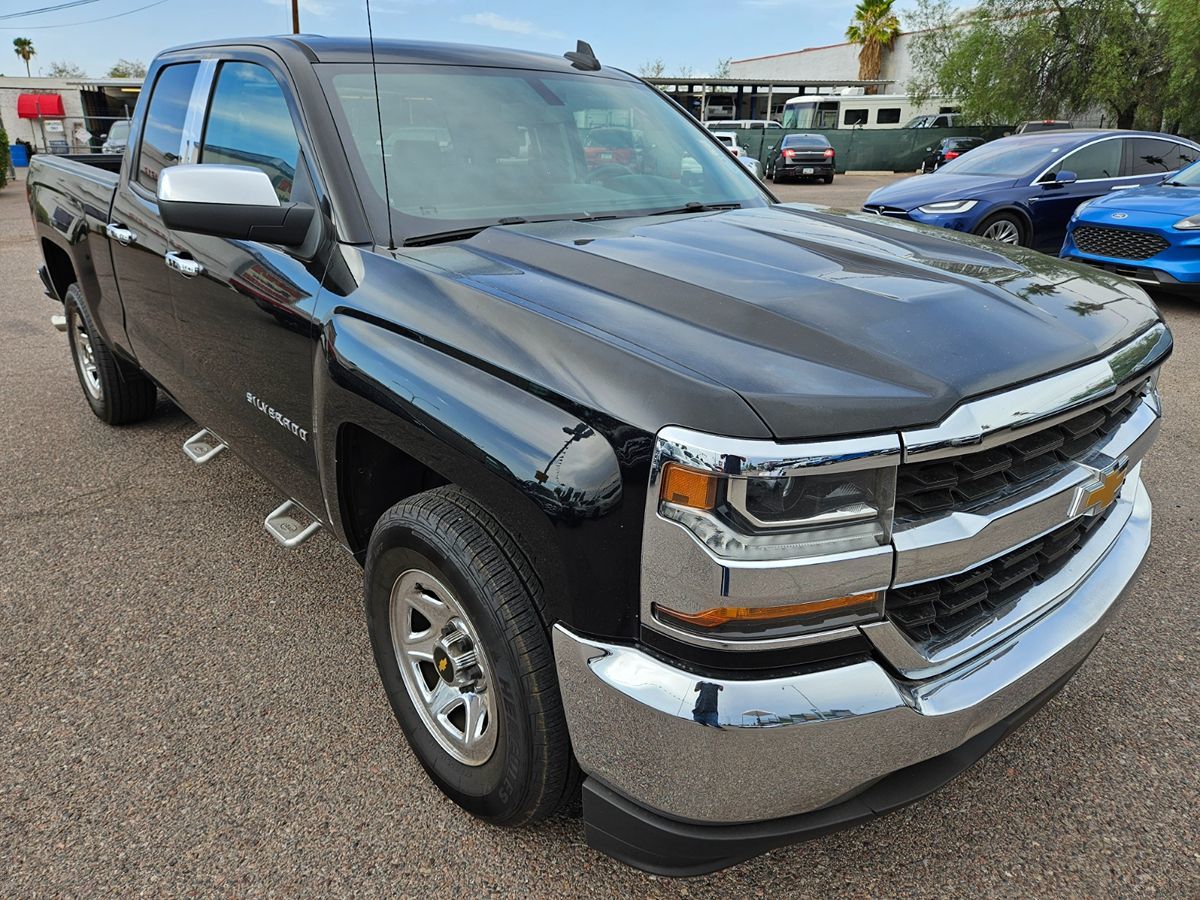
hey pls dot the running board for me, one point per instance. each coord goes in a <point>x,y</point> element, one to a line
<point>286,528</point>
<point>59,323</point>
<point>202,446</point>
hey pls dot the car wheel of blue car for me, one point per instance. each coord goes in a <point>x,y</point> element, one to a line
<point>1006,228</point>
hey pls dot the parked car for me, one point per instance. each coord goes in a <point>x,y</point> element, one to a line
<point>657,483</point>
<point>1023,189</point>
<point>608,146</point>
<point>1150,234</point>
<point>730,140</point>
<point>947,149</point>
<point>800,156</point>
<point>1043,125</point>
<point>935,120</point>
<point>724,124</point>
<point>117,138</point>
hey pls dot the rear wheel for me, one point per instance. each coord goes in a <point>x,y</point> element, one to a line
<point>117,391</point>
<point>1007,228</point>
<point>829,178</point>
<point>452,609</point>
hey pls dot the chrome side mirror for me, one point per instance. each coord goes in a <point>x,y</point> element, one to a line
<point>235,202</point>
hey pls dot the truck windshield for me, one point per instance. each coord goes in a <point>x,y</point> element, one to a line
<point>467,148</point>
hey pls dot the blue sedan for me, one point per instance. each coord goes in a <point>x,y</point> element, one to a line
<point>1023,189</point>
<point>1150,234</point>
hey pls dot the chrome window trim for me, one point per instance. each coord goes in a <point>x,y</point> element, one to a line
<point>193,122</point>
<point>1070,153</point>
<point>1007,415</point>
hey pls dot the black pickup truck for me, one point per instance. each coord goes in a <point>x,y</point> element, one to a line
<point>748,520</point>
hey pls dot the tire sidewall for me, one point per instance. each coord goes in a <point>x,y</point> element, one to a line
<point>490,790</point>
<point>75,308</point>
<point>1023,232</point>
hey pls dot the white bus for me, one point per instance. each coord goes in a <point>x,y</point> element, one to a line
<point>859,110</point>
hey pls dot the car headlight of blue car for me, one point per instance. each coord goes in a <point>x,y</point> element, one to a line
<point>947,207</point>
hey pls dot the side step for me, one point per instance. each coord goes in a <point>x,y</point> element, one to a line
<point>59,323</point>
<point>286,528</point>
<point>202,446</point>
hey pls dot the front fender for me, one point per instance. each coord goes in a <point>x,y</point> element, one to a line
<point>552,475</point>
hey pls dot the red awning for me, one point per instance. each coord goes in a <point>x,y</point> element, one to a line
<point>40,106</point>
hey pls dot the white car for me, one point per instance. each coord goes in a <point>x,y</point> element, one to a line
<point>730,140</point>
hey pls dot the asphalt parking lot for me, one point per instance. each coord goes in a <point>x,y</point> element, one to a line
<point>189,708</point>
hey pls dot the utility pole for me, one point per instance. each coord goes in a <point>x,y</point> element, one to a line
<point>295,16</point>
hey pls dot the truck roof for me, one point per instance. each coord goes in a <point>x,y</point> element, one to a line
<point>321,49</point>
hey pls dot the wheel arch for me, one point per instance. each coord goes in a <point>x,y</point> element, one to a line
<point>396,416</point>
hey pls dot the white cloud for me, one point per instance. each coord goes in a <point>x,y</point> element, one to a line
<point>497,22</point>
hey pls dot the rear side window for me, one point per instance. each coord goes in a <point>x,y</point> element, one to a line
<point>889,116</point>
<point>249,124</point>
<point>162,138</point>
<point>1152,156</point>
<point>855,117</point>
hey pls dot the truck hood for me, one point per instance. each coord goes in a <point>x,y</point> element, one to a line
<point>923,189</point>
<point>1184,201</point>
<point>825,323</point>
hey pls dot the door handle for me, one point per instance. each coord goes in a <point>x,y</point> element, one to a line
<point>185,266</point>
<point>120,234</point>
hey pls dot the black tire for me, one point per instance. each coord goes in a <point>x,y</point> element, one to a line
<point>117,391</point>
<point>1004,222</point>
<point>777,178</point>
<point>531,772</point>
<point>829,178</point>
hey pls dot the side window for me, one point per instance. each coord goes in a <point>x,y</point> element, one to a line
<point>1183,156</point>
<point>249,124</point>
<point>1154,157</point>
<point>889,116</point>
<point>162,137</point>
<point>855,117</point>
<point>1099,160</point>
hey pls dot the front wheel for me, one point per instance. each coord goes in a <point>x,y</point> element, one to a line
<point>452,609</point>
<point>1004,227</point>
<point>117,391</point>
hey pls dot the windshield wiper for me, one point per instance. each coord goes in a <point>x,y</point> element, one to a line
<point>458,234</point>
<point>694,207</point>
<point>1176,184</point>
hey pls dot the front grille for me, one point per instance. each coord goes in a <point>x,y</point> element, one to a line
<point>1118,243</point>
<point>946,607</point>
<point>880,210</point>
<point>926,488</point>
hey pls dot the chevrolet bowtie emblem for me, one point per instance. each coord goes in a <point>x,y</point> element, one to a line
<point>1097,497</point>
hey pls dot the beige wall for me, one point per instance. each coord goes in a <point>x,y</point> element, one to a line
<point>830,63</point>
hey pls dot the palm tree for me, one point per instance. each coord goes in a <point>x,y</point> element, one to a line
<point>874,28</point>
<point>23,47</point>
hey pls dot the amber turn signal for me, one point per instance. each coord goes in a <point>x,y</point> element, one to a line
<point>689,487</point>
<point>726,615</point>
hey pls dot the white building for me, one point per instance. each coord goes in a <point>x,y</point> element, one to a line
<point>835,61</point>
<point>65,109</point>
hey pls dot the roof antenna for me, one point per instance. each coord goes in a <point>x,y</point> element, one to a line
<point>387,194</point>
<point>582,57</point>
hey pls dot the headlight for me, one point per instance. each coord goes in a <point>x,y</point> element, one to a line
<point>1081,207</point>
<point>786,509</point>
<point>948,207</point>
<point>1189,224</point>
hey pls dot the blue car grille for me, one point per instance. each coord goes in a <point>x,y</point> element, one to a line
<point>1118,243</point>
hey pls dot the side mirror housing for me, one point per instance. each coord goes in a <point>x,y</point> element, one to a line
<point>235,202</point>
<point>1062,178</point>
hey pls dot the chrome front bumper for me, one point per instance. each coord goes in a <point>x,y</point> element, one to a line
<point>786,746</point>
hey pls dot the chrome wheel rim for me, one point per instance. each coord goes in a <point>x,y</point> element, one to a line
<point>443,666</point>
<point>85,358</point>
<point>1003,231</point>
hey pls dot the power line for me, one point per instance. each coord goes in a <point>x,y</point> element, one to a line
<point>84,22</point>
<point>46,9</point>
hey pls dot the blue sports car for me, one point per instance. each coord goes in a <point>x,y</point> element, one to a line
<point>1150,234</point>
<point>1023,189</point>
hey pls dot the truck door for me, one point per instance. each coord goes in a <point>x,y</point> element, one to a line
<point>138,238</point>
<point>245,309</point>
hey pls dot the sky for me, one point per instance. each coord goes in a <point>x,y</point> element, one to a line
<point>625,33</point>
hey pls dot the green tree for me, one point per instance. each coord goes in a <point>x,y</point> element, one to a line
<point>127,68</point>
<point>1181,31</point>
<point>1010,60</point>
<point>875,29</point>
<point>23,47</point>
<point>64,69</point>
